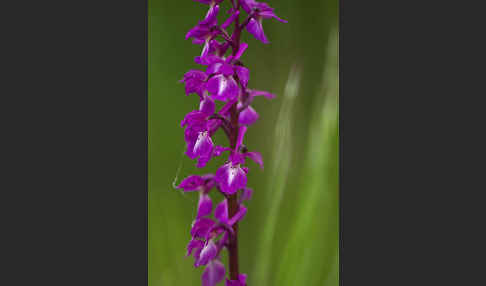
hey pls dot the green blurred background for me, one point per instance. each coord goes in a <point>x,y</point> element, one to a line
<point>290,233</point>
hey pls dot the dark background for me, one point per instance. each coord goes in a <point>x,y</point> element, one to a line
<point>74,182</point>
<point>290,234</point>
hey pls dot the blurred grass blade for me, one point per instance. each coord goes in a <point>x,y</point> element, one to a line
<point>311,255</point>
<point>282,159</point>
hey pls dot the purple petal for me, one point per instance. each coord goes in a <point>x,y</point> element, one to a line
<point>222,87</point>
<point>237,158</point>
<point>214,68</point>
<point>194,244</point>
<point>220,67</point>
<point>230,20</point>
<point>196,255</point>
<point>194,117</point>
<point>221,211</point>
<point>227,69</point>
<point>218,150</point>
<point>261,92</point>
<point>207,106</point>
<point>190,147</point>
<point>240,51</point>
<point>241,135</point>
<point>248,116</point>
<point>213,274</point>
<point>255,28</point>
<point>225,109</point>
<point>243,75</point>
<point>269,14</point>
<point>211,18</point>
<point>198,41</point>
<point>240,282</point>
<point>247,5</point>
<point>207,253</point>
<point>204,206</point>
<point>256,157</point>
<point>242,278</point>
<point>201,227</point>
<point>204,144</point>
<point>202,161</point>
<point>203,148</point>
<point>191,183</point>
<point>238,215</point>
<point>213,125</point>
<point>194,82</point>
<point>224,239</point>
<point>209,182</point>
<point>208,59</point>
<point>231,178</point>
<point>246,194</point>
<point>205,50</point>
<point>200,32</point>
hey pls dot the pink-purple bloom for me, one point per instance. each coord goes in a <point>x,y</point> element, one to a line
<point>260,11</point>
<point>240,282</point>
<point>224,78</point>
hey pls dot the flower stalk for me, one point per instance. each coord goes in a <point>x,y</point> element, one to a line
<point>225,79</point>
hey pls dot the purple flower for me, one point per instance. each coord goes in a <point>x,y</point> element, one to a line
<point>221,213</point>
<point>208,252</point>
<point>197,183</point>
<point>195,245</point>
<point>207,106</point>
<point>195,82</point>
<point>201,227</point>
<point>231,178</point>
<point>260,11</point>
<point>213,273</point>
<point>248,115</point>
<point>204,206</point>
<point>205,30</point>
<point>192,183</point>
<point>240,282</point>
<point>203,148</point>
<point>199,131</point>
<point>222,85</point>
<point>198,140</point>
<point>215,52</point>
<point>243,75</point>
<point>211,16</point>
<point>256,157</point>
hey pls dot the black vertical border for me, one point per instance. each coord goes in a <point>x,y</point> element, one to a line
<point>76,161</point>
<point>146,142</point>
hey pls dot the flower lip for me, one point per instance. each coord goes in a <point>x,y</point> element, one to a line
<point>231,177</point>
<point>213,273</point>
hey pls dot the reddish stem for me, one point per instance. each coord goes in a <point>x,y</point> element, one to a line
<point>233,199</point>
<point>233,204</point>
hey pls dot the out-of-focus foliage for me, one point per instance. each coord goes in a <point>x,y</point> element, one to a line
<point>290,233</point>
